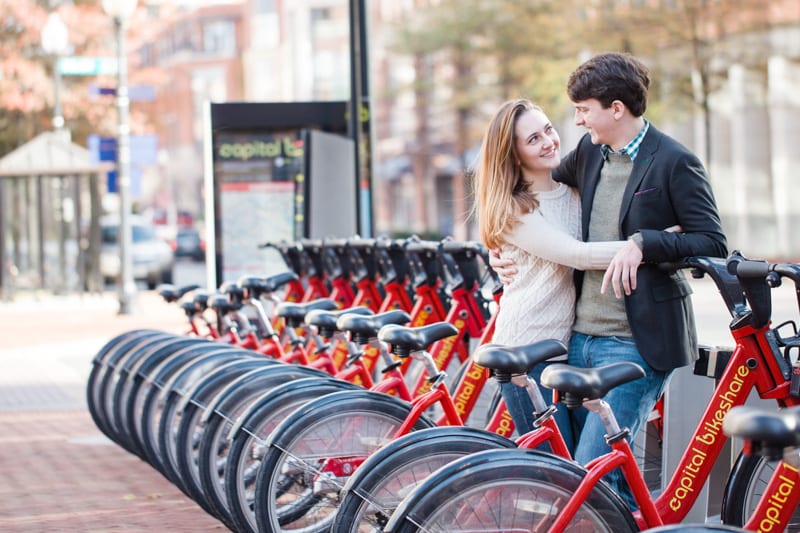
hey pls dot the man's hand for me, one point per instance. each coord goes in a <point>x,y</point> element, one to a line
<point>504,268</point>
<point>622,270</point>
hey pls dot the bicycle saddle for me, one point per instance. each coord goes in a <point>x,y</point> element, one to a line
<point>295,312</point>
<point>508,360</point>
<point>579,384</point>
<point>201,299</point>
<point>405,340</point>
<point>172,293</point>
<point>768,431</point>
<point>257,286</point>
<point>325,320</point>
<point>364,328</point>
<point>221,304</point>
<point>190,308</point>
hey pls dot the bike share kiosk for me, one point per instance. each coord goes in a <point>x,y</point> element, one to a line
<point>273,172</point>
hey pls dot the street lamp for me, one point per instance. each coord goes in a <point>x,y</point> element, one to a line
<point>120,11</point>
<point>55,43</point>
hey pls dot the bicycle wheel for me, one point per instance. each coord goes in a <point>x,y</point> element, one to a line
<point>295,488</point>
<point>174,380</point>
<point>152,380</point>
<point>120,343</point>
<point>507,490</point>
<point>746,484</point>
<point>131,375</point>
<point>197,397</point>
<point>210,461</point>
<point>111,377</point>
<point>248,439</point>
<point>375,490</point>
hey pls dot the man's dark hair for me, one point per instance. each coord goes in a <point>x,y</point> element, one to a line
<point>611,76</point>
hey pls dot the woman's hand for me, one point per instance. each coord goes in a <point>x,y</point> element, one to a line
<point>505,268</point>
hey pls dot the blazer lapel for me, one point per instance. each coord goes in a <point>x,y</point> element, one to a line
<point>640,167</point>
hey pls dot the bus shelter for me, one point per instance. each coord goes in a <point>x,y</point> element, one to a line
<point>50,207</point>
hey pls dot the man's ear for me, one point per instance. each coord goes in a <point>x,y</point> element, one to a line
<point>619,108</point>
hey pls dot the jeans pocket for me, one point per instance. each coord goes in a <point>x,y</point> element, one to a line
<point>627,341</point>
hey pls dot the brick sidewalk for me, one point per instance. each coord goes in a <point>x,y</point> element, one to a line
<point>60,473</point>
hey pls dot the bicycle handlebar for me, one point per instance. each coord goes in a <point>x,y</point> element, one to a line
<point>423,261</point>
<point>758,276</point>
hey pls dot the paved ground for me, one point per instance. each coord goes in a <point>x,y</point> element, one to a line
<point>61,474</point>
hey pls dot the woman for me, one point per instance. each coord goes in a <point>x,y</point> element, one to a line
<point>535,222</point>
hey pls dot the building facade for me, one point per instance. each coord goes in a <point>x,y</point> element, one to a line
<point>298,50</point>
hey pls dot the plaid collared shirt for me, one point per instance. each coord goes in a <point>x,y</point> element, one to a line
<point>632,148</point>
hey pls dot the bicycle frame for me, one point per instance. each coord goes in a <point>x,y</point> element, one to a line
<point>466,316</point>
<point>755,363</point>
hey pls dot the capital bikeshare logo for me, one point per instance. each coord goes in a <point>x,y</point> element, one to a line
<point>705,440</point>
<point>260,149</point>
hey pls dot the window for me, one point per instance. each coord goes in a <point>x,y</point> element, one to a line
<point>261,7</point>
<point>219,37</point>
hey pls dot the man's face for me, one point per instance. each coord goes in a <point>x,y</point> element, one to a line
<point>594,117</point>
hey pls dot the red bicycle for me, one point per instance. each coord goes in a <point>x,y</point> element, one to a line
<point>543,492</point>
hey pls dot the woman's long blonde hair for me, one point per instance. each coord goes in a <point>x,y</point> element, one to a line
<point>502,194</point>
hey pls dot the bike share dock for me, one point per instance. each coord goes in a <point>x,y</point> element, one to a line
<point>62,474</point>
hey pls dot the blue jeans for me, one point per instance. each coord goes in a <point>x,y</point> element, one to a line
<point>520,408</point>
<point>631,402</point>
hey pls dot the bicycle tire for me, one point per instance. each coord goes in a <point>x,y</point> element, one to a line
<point>172,380</point>
<point>349,424</point>
<point>380,483</point>
<point>99,369</point>
<point>507,490</point>
<point>250,435</point>
<point>131,376</point>
<point>111,377</point>
<point>153,381</point>
<point>208,468</point>
<point>198,395</point>
<point>744,488</point>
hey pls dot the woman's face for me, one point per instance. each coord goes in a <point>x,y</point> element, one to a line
<point>537,142</point>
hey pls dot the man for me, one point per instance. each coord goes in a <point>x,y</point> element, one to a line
<point>634,181</point>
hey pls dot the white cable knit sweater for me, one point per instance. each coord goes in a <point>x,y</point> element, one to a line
<point>540,302</point>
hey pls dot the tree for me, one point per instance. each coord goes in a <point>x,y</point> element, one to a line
<point>687,41</point>
<point>26,84</point>
<point>469,54</point>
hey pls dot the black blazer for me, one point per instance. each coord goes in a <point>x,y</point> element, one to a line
<point>667,186</point>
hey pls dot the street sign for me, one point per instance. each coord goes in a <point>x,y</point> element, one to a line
<point>144,150</point>
<point>87,65</point>
<point>136,93</point>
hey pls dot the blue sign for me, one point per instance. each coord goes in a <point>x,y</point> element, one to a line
<point>144,151</point>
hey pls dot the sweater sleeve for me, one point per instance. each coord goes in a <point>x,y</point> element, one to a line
<point>540,238</point>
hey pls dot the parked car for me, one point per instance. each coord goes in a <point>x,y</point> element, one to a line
<point>188,243</point>
<point>151,257</point>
